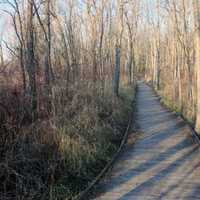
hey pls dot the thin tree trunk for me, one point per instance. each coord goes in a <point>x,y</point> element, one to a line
<point>48,57</point>
<point>117,71</point>
<point>30,61</point>
<point>196,6</point>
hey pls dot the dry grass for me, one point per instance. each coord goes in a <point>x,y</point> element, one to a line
<point>57,157</point>
<point>187,112</point>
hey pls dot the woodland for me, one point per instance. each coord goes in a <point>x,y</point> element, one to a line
<point>67,81</point>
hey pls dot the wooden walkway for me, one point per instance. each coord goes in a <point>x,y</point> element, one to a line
<point>164,162</point>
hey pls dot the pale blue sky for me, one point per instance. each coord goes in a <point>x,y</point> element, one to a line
<point>5,6</point>
<point>6,25</point>
<point>3,16</point>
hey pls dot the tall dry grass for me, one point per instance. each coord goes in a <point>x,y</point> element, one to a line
<point>57,156</point>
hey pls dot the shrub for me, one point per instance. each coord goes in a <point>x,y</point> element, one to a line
<point>58,156</point>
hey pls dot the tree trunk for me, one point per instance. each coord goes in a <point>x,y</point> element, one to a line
<point>117,71</point>
<point>48,57</point>
<point>22,68</point>
<point>196,5</point>
<point>157,81</point>
<point>30,61</point>
<point>158,63</point>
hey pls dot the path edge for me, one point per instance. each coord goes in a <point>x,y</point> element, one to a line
<point>84,194</point>
<point>180,115</point>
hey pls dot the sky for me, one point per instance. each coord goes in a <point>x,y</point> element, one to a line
<point>4,19</point>
<point>6,30</point>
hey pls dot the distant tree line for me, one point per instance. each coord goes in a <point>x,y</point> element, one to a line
<point>72,41</point>
<point>172,53</point>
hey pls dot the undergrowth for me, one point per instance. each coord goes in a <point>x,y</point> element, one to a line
<point>186,113</point>
<point>56,157</point>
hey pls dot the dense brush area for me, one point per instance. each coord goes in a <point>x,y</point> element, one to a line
<point>57,157</point>
<point>65,93</point>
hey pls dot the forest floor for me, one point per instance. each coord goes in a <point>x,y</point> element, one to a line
<point>163,163</point>
<point>57,156</point>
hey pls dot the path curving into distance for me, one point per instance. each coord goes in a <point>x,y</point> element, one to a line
<point>164,162</point>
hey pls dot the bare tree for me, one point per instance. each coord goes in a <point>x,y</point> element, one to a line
<point>48,77</point>
<point>196,8</point>
<point>30,57</point>
<point>19,31</point>
<point>131,17</point>
<point>118,46</point>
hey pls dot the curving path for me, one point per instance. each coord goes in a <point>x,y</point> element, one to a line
<point>164,162</point>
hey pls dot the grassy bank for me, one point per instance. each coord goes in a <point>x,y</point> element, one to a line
<point>185,111</point>
<point>175,107</point>
<point>57,157</point>
<point>100,133</point>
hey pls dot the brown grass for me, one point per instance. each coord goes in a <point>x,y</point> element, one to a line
<point>56,157</point>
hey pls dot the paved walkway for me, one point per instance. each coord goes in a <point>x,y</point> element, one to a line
<point>164,163</point>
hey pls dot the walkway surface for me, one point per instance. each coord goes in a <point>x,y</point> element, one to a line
<point>164,162</point>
